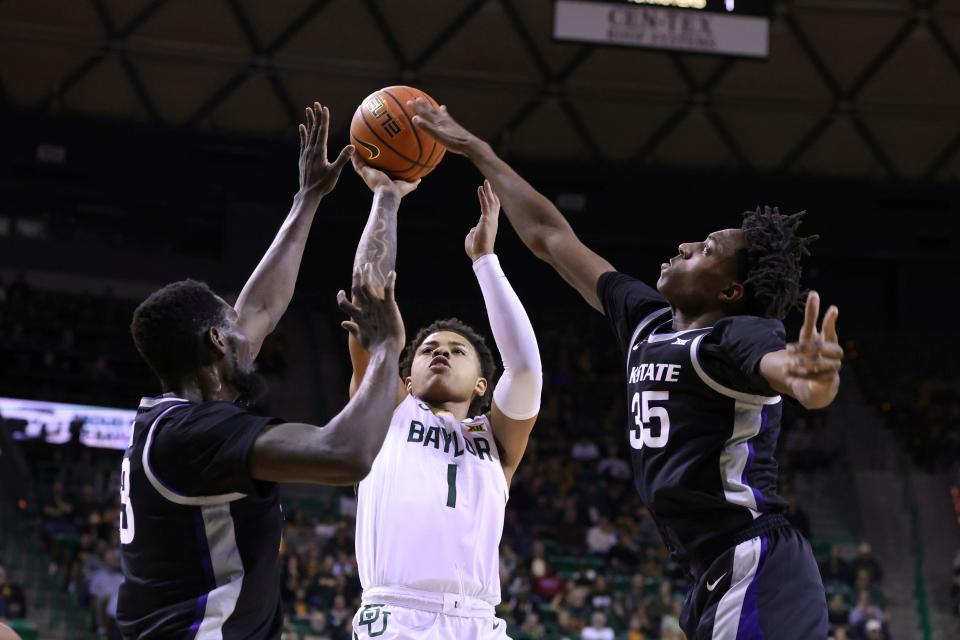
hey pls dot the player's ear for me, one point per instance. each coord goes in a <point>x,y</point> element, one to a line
<point>214,344</point>
<point>481,387</point>
<point>408,383</point>
<point>732,295</point>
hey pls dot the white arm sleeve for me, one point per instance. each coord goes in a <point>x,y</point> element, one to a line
<point>517,393</point>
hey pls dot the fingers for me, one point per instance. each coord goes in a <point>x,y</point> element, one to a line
<point>356,286</point>
<point>425,125</point>
<point>352,327</point>
<point>390,286</point>
<point>816,346</point>
<point>810,313</point>
<point>317,116</point>
<point>815,366</point>
<point>324,128</point>
<point>829,329</point>
<point>492,206</point>
<point>302,130</point>
<point>311,123</point>
<point>347,306</point>
<point>345,155</point>
<point>422,107</point>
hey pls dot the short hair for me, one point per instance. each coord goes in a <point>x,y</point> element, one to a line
<point>770,261</point>
<point>166,326</point>
<point>488,366</point>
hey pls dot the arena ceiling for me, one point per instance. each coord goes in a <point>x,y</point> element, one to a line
<point>865,88</point>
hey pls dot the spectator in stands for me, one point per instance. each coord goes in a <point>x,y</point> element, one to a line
<point>835,568</point>
<point>865,560</point>
<point>614,467</point>
<point>598,629</point>
<point>601,537</point>
<point>585,450</point>
<point>873,630</point>
<point>839,633</point>
<point>864,612</point>
<point>664,603</point>
<point>86,513</point>
<point>13,604</point>
<point>670,629</point>
<point>319,629</point>
<point>532,628</point>
<point>838,613</point>
<point>57,510</point>
<point>103,587</point>
<point>549,584</point>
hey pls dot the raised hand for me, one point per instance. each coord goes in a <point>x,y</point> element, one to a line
<point>375,321</point>
<point>377,180</point>
<point>440,125</point>
<point>318,176</point>
<point>812,368</point>
<point>480,239</point>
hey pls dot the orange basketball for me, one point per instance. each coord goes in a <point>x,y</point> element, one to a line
<point>386,138</point>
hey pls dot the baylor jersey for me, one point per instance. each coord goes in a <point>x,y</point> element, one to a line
<point>430,513</point>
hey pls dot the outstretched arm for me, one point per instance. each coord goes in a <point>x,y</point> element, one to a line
<point>537,221</point>
<point>267,293</point>
<point>378,248</point>
<point>809,369</point>
<point>516,398</point>
<point>343,451</point>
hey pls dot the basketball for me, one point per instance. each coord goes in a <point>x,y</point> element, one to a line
<point>386,138</point>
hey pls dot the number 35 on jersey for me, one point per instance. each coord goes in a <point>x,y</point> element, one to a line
<point>651,421</point>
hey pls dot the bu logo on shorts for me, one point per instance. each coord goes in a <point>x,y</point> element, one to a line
<point>371,616</point>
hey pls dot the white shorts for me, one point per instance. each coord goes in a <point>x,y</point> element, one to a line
<point>394,622</point>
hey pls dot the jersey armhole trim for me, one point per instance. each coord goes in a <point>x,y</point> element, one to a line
<point>719,388</point>
<point>640,327</point>
<point>168,493</point>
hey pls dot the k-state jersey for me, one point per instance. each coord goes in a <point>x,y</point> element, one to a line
<point>199,537</point>
<point>702,423</point>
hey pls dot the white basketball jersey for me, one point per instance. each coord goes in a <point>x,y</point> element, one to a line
<point>430,513</point>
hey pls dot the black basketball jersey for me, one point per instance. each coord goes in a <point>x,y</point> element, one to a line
<point>200,538</point>
<point>701,422</point>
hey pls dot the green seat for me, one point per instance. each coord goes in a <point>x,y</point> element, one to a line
<point>24,628</point>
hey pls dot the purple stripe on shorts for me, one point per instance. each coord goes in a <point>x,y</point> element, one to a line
<point>751,455</point>
<point>749,625</point>
<point>201,532</point>
<point>201,609</point>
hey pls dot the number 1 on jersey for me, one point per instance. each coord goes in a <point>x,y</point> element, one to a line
<point>452,486</point>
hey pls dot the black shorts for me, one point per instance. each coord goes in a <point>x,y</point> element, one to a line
<point>765,588</point>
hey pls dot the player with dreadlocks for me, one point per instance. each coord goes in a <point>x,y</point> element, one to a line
<point>706,362</point>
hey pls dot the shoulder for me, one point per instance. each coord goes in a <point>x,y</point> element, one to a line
<point>196,423</point>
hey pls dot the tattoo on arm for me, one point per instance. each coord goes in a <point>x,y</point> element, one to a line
<point>378,244</point>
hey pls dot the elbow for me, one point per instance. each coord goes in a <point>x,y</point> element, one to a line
<point>353,471</point>
<point>539,245</point>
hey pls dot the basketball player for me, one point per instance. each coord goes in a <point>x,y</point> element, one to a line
<point>430,514</point>
<point>706,364</point>
<point>200,515</point>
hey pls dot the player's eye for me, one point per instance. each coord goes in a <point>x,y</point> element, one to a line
<point>460,352</point>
